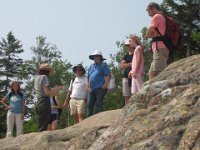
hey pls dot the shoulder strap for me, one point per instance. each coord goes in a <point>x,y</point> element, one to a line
<point>9,95</point>
<point>54,100</point>
<point>20,93</point>
<point>165,27</point>
<point>158,32</point>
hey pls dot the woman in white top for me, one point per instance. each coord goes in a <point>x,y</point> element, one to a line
<point>78,94</point>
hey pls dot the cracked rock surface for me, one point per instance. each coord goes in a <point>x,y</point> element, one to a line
<point>164,115</point>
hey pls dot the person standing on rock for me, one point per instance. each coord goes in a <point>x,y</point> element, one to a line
<point>125,65</point>
<point>78,94</point>
<point>16,109</point>
<point>54,118</point>
<point>98,77</point>
<point>160,51</point>
<point>43,92</point>
<point>137,69</point>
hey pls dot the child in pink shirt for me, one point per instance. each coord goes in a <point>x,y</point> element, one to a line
<point>137,64</point>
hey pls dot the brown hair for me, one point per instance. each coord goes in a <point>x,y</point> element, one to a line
<point>44,72</point>
<point>11,87</point>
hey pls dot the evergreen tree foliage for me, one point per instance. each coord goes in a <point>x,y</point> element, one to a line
<point>10,65</point>
<point>10,62</point>
<point>187,14</point>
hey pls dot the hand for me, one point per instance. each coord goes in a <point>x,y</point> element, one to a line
<point>87,88</point>
<point>134,75</point>
<point>129,75</point>
<point>66,103</point>
<point>8,107</point>
<point>104,86</point>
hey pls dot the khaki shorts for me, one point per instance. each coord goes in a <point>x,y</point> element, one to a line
<point>159,60</point>
<point>126,90</point>
<point>77,106</point>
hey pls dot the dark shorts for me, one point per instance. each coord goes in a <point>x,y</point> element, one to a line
<point>53,118</point>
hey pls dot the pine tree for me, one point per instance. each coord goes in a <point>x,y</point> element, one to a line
<point>187,14</point>
<point>10,64</point>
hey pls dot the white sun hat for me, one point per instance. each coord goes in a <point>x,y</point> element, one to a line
<point>97,52</point>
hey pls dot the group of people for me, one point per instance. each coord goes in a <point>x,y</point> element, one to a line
<point>133,62</point>
<point>87,92</point>
<point>84,92</point>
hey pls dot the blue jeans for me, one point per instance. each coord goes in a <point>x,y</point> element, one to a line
<point>95,96</point>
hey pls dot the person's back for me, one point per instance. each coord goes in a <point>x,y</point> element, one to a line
<point>135,61</point>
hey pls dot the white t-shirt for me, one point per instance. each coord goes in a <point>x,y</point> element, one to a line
<point>78,88</point>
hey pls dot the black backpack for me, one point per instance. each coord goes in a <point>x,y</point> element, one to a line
<point>59,109</point>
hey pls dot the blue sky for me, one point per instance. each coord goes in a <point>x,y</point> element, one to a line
<point>77,27</point>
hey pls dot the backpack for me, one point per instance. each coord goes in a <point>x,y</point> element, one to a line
<point>112,82</point>
<point>59,109</point>
<point>172,35</point>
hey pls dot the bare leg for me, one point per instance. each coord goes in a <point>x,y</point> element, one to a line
<point>126,98</point>
<point>153,74</point>
<point>76,119</point>
<point>80,117</point>
<point>54,125</point>
<point>49,127</point>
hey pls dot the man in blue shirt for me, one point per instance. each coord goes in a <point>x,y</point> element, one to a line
<point>98,78</point>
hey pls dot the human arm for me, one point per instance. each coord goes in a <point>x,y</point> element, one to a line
<point>3,102</point>
<point>57,102</point>
<point>53,91</point>
<point>149,32</point>
<point>87,85</point>
<point>67,98</point>
<point>23,108</point>
<point>107,75</point>
<point>124,65</point>
<point>107,79</point>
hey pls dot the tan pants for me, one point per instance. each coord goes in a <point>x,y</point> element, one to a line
<point>13,118</point>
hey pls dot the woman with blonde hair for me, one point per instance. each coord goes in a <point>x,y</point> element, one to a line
<point>137,69</point>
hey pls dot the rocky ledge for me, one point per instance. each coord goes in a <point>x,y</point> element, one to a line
<point>165,115</point>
